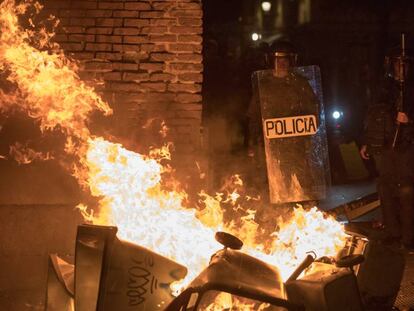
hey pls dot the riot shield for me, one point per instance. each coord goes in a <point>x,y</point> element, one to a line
<point>294,134</point>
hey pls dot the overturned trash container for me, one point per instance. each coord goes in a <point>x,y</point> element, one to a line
<point>110,274</point>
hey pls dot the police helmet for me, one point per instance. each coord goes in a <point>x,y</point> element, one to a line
<point>396,55</point>
<point>282,49</point>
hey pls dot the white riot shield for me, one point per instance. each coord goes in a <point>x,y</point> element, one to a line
<point>294,134</point>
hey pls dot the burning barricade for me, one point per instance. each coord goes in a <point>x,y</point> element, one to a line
<point>112,274</point>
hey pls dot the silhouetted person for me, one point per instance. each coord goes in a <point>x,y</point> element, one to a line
<point>389,138</point>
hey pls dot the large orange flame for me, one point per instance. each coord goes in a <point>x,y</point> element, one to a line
<point>49,89</point>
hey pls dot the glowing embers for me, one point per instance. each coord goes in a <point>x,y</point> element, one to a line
<point>218,301</point>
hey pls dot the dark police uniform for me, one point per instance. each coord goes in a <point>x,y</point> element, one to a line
<point>395,165</point>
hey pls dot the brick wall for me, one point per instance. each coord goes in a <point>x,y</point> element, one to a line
<point>148,54</point>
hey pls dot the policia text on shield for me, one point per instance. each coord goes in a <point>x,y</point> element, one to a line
<point>291,126</point>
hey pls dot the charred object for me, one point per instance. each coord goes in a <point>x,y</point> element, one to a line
<point>112,274</point>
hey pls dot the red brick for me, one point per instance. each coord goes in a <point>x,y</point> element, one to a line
<point>133,76</point>
<point>99,13</point>
<point>82,21</point>
<point>162,77</point>
<point>189,5</point>
<point>161,57</point>
<point>154,47</point>
<point>53,4</point>
<point>124,98</point>
<point>74,29</point>
<point>113,76</point>
<point>80,38</point>
<point>151,14</point>
<point>72,13</point>
<point>187,21</point>
<point>148,47</point>
<point>190,38</point>
<point>100,31</point>
<point>126,13</point>
<point>186,13</point>
<point>98,47</point>
<point>72,46</point>
<point>83,4</point>
<point>83,55</point>
<point>185,47</point>
<point>60,37</point>
<point>136,22</point>
<point>124,87</point>
<point>186,30</point>
<point>160,109</point>
<point>190,58</point>
<point>109,39</point>
<point>163,6</point>
<point>184,87</point>
<point>163,38</point>
<point>154,30</point>
<point>88,75</point>
<point>186,67</point>
<point>188,98</point>
<point>152,66</point>
<point>152,86</point>
<point>163,22</point>
<point>109,56</point>
<point>125,66</point>
<point>135,39</point>
<point>138,6</point>
<point>126,47</point>
<point>135,56</point>
<point>194,77</point>
<point>98,66</point>
<point>156,97</point>
<point>109,22</point>
<point>111,5</point>
<point>126,31</point>
<point>186,107</point>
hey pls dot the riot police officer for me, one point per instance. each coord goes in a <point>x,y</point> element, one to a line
<point>286,98</point>
<point>389,138</point>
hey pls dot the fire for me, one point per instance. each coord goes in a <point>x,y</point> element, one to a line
<point>306,231</point>
<point>133,200</point>
<point>129,185</point>
<point>225,301</point>
<point>48,87</point>
<point>25,155</point>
